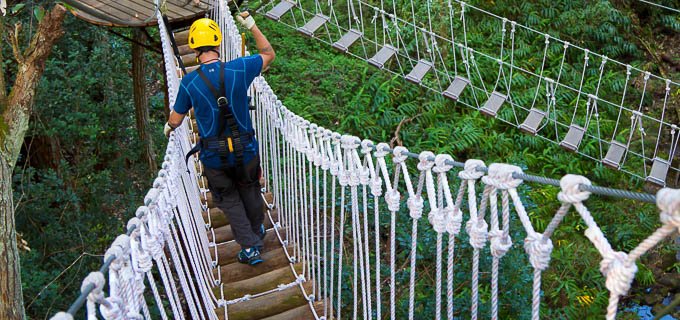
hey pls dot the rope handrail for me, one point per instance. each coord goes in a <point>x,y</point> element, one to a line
<point>618,193</point>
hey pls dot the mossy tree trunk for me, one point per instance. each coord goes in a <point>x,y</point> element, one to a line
<point>140,97</point>
<point>15,111</point>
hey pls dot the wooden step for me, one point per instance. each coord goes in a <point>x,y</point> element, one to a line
<point>261,283</point>
<point>227,251</point>
<point>301,312</point>
<point>184,49</point>
<point>182,37</point>
<point>189,59</point>
<point>236,271</point>
<point>224,233</point>
<point>219,219</point>
<point>268,305</point>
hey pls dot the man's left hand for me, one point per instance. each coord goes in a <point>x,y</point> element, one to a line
<point>167,130</point>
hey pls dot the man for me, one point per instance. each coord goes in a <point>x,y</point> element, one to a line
<point>228,149</point>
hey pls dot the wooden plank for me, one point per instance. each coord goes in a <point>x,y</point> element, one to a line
<point>108,9</point>
<point>269,305</point>
<point>237,271</point>
<point>228,251</point>
<point>261,283</point>
<point>301,312</point>
<point>224,233</point>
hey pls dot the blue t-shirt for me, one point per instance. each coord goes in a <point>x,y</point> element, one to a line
<point>238,75</point>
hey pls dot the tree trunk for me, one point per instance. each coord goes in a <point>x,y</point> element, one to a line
<point>13,126</point>
<point>141,101</point>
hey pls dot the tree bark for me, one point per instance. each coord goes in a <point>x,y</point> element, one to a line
<point>13,127</point>
<point>140,97</point>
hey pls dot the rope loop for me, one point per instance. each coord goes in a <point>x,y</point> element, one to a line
<point>98,280</point>
<point>366,146</point>
<point>570,189</point>
<point>393,199</point>
<point>399,154</point>
<point>470,171</point>
<point>441,164</point>
<point>501,176</point>
<point>668,200</point>
<point>539,249</point>
<point>382,150</point>
<point>364,176</point>
<point>500,244</point>
<point>349,142</point>
<point>112,309</point>
<point>426,162</point>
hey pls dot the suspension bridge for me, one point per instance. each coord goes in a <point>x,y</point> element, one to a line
<point>333,201</point>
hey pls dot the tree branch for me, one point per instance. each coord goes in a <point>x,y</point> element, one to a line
<point>14,42</point>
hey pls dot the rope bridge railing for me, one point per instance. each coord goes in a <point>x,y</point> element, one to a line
<point>311,164</point>
<point>603,109</point>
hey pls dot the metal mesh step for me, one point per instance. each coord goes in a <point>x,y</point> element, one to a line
<point>347,40</point>
<point>659,172</point>
<point>456,88</point>
<point>573,138</point>
<point>533,121</point>
<point>312,25</point>
<point>419,71</point>
<point>494,103</point>
<point>279,10</point>
<point>380,58</point>
<point>614,155</point>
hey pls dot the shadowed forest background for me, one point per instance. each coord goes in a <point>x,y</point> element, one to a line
<point>83,169</point>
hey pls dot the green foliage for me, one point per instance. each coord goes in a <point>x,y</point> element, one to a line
<point>81,174</point>
<point>344,94</point>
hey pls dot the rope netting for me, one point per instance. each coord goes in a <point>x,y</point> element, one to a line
<point>586,102</point>
<point>340,201</point>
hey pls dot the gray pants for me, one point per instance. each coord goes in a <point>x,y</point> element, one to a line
<point>236,191</point>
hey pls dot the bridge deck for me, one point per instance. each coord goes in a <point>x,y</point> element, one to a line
<point>135,13</point>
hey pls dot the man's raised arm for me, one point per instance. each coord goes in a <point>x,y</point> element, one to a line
<point>263,46</point>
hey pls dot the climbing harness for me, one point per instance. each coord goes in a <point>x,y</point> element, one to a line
<point>223,144</point>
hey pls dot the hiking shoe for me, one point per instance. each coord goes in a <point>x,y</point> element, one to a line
<point>250,256</point>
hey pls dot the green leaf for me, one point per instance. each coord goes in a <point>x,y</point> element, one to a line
<point>39,13</point>
<point>17,7</point>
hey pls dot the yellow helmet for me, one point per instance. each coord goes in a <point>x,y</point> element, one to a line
<point>204,33</point>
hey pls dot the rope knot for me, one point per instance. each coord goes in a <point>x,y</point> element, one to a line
<point>415,207</point>
<point>470,171</point>
<point>539,249</point>
<point>499,243</point>
<point>335,137</point>
<point>570,189</point>
<point>426,162</point>
<point>366,146</point>
<point>478,231</point>
<point>62,316</point>
<point>620,272</point>
<point>112,308</point>
<point>437,219</point>
<point>399,154</point>
<point>376,187</point>
<point>500,176</point>
<point>382,150</point>
<point>441,163</point>
<point>668,200</point>
<point>364,176</point>
<point>96,279</point>
<point>393,199</point>
<point>454,220</point>
<point>349,142</point>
